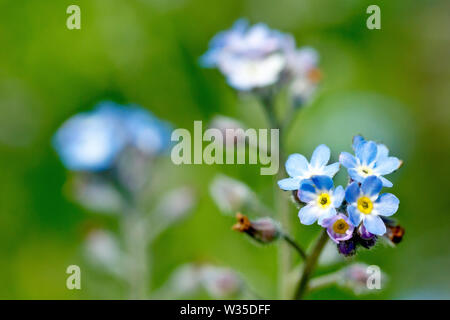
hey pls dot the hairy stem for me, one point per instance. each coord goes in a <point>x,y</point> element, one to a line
<point>310,264</point>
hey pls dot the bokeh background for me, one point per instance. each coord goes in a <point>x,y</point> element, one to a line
<point>391,85</point>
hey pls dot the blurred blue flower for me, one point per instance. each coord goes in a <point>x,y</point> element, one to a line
<point>321,199</point>
<point>366,205</point>
<point>249,56</point>
<point>371,159</point>
<point>299,169</point>
<point>338,227</point>
<point>91,141</point>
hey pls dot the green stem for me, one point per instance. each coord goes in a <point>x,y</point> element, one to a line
<point>294,245</point>
<point>310,264</point>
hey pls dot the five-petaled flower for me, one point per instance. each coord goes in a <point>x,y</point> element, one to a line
<point>366,205</point>
<point>371,160</point>
<point>299,169</point>
<point>339,227</point>
<point>321,199</point>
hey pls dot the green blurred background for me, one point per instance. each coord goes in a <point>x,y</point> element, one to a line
<point>391,85</point>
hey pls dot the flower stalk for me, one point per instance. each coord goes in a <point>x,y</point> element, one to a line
<point>310,265</point>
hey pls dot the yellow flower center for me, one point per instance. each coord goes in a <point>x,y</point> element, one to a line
<point>365,171</point>
<point>340,226</point>
<point>324,200</point>
<point>365,205</point>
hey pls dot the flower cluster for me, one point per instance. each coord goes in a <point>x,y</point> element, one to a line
<point>354,216</point>
<point>254,57</point>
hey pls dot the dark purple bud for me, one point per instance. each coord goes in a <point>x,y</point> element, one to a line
<point>347,248</point>
<point>364,234</point>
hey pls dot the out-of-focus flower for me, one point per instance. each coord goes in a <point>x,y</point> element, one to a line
<point>366,205</point>
<point>298,168</point>
<point>176,204</point>
<point>371,160</point>
<point>249,57</point>
<point>145,132</point>
<point>189,279</point>
<point>230,195</point>
<point>221,282</point>
<point>102,249</point>
<point>339,227</point>
<point>322,200</point>
<point>91,141</point>
<point>302,67</point>
<point>263,230</point>
<point>95,193</point>
<point>356,276</point>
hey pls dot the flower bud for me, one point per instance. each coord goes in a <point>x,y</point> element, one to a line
<point>102,250</point>
<point>365,238</point>
<point>395,233</point>
<point>263,230</point>
<point>347,248</point>
<point>230,195</point>
<point>176,204</point>
<point>221,282</point>
<point>357,277</point>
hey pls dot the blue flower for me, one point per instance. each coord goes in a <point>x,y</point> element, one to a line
<point>371,159</point>
<point>249,56</point>
<point>91,141</point>
<point>320,198</point>
<point>366,205</point>
<point>145,132</point>
<point>299,169</point>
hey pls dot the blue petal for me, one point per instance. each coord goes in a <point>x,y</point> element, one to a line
<point>332,169</point>
<point>289,184</point>
<point>347,160</point>
<point>322,182</point>
<point>387,204</point>
<point>320,156</point>
<point>371,186</point>
<point>353,173</point>
<point>387,165</point>
<point>357,140</point>
<point>374,224</point>
<point>354,215</point>
<point>331,212</point>
<point>307,191</point>
<point>338,196</point>
<point>366,152</point>
<point>308,214</point>
<point>386,182</point>
<point>382,152</point>
<point>296,165</point>
<point>352,193</point>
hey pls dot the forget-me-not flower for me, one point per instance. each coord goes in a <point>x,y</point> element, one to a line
<point>249,56</point>
<point>339,227</point>
<point>370,159</point>
<point>320,198</point>
<point>299,169</point>
<point>366,205</point>
<point>91,141</point>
